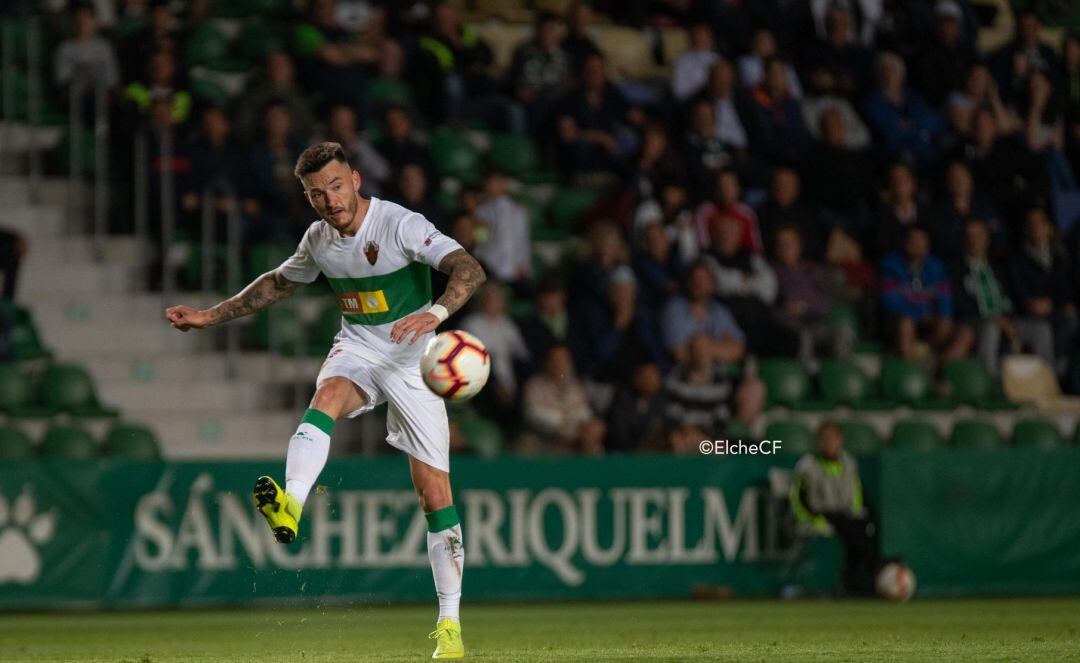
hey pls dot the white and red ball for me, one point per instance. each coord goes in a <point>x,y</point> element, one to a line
<point>455,365</point>
<point>895,582</point>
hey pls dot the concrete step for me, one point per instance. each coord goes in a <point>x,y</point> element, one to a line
<point>226,434</point>
<point>117,249</point>
<point>145,399</point>
<point>35,222</point>
<point>80,339</point>
<point>40,276</point>
<point>146,309</point>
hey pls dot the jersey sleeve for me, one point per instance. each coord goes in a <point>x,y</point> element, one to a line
<point>422,242</point>
<point>301,267</point>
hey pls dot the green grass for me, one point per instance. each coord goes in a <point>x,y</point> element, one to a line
<point>1005,629</point>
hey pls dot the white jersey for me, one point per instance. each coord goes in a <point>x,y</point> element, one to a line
<point>379,275</point>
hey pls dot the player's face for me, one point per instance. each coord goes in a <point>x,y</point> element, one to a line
<point>333,191</point>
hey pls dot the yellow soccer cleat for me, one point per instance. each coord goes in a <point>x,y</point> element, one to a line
<point>447,635</point>
<point>281,510</point>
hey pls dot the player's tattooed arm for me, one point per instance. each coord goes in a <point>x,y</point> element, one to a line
<point>466,275</point>
<point>261,293</point>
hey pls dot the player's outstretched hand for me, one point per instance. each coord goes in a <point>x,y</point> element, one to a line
<point>416,324</point>
<point>185,318</point>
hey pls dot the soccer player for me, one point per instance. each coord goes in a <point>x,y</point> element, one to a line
<point>375,255</point>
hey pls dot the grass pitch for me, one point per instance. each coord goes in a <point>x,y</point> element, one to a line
<point>1005,629</point>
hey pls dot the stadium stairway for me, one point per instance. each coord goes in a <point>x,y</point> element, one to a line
<point>89,312</point>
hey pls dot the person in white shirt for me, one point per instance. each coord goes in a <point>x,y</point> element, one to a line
<point>505,248</point>
<point>691,69</point>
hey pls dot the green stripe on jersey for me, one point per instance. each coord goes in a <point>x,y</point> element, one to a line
<point>404,291</point>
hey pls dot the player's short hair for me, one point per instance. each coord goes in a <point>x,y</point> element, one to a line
<point>318,155</point>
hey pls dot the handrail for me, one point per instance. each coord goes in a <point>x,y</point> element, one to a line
<point>168,213</point>
<point>141,205</point>
<point>7,89</point>
<point>33,107</point>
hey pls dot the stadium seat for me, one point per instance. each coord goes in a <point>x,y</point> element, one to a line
<point>914,435</point>
<point>481,435</point>
<point>785,382</point>
<point>25,341</point>
<point>17,395</point>
<point>904,381</point>
<point>969,381</point>
<point>256,40</point>
<point>735,429</point>
<point>454,156</point>
<point>568,205</point>
<point>860,438</point>
<point>68,442</point>
<point>132,441</point>
<point>976,434</point>
<point>389,92</point>
<point>15,444</point>
<point>1035,433</point>
<point>843,382</point>
<point>208,46</point>
<point>514,154</point>
<point>68,388</point>
<point>795,438</point>
<point>280,329</point>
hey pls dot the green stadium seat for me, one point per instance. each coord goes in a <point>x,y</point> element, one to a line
<point>17,395</point>
<point>390,92</point>
<point>914,435</point>
<point>904,381</point>
<point>795,438</point>
<point>208,46</point>
<point>482,435</point>
<point>860,438</point>
<point>1033,433</point>
<point>976,434</point>
<point>68,442</point>
<point>785,382</point>
<point>969,381</point>
<point>264,257</point>
<point>514,154</point>
<point>25,341</point>
<point>454,156</point>
<point>843,315</point>
<point>568,205</point>
<point>68,388</point>
<point>843,382</point>
<point>15,444</point>
<point>133,441</point>
<point>256,40</point>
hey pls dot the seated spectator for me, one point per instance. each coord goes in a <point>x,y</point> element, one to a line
<point>578,42</point>
<point>784,208</point>
<point>838,62</point>
<point>804,301</point>
<point>505,249</point>
<point>696,313</point>
<point>691,70</point>
<point>611,338</point>
<point>657,161</point>
<point>774,118</point>
<point>557,411</point>
<point>636,418</point>
<point>917,301</point>
<point>978,91</point>
<point>943,62</point>
<point>1041,277</point>
<point>706,152</point>
<point>1013,62</point>
<point>836,176</point>
<point>158,33</point>
<point>274,204</point>
<point>588,122</point>
<point>899,209</point>
<point>658,267</point>
<point>162,81</point>
<point>217,169</point>
<point>982,303</point>
<point>906,126</point>
<point>706,392</point>
<point>412,191</point>
<point>720,91</point>
<point>670,211</point>
<point>540,71</point>
<point>605,251</point>
<point>548,324</point>
<point>399,145</point>
<point>752,65</point>
<point>1044,124</point>
<point>342,128</point>
<point>727,202</point>
<point>827,499</point>
<point>960,204</point>
<point>490,323</point>
<point>276,82</point>
<point>333,60</point>
<point>86,51</point>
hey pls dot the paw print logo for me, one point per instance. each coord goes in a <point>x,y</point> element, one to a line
<point>22,532</point>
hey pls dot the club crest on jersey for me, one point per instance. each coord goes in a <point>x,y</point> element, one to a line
<point>371,250</point>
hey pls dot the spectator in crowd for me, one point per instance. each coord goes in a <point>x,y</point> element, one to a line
<point>784,208</point>
<point>158,33</point>
<point>836,176</point>
<point>804,301</point>
<point>342,128</point>
<point>943,63</point>
<point>216,167</point>
<point>838,63</point>
<point>275,83</point>
<point>906,126</point>
<point>980,287</point>
<point>413,192</point>
<point>1001,165</point>
<point>86,51</point>
<point>697,312</point>
<point>588,121</point>
<point>657,161</point>
<point>557,411</point>
<point>613,337</point>
<point>706,392</point>
<point>1044,128</point>
<point>540,71</point>
<point>399,145</point>
<point>1042,281</point>
<point>606,250</point>
<point>752,65</point>
<point>706,152</point>
<point>549,323</point>
<point>917,301</point>
<point>691,69</point>
<point>900,208</point>
<point>774,118</point>
<point>490,323</point>
<point>332,59</point>
<point>827,499</point>
<point>658,267</point>
<point>162,81</point>
<point>636,419</point>
<point>960,203</point>
<point>978,91</point>
<point>721,92</point>
<point>1025,54</point>
<point>274,204</point>
<point>1069,85</point>
<point>727,203</point>
<point>505,247</point>
<point>578,42</point>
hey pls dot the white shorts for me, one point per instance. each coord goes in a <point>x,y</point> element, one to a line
<point>416,419</point>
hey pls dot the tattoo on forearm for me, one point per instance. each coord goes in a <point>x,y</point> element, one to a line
<point>466,275</point>
<point>261,293</point>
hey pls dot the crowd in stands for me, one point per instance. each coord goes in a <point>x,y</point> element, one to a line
<point>798,158</point>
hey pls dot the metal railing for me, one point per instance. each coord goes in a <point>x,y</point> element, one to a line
<point>9,94</point>
<point>88,81</point>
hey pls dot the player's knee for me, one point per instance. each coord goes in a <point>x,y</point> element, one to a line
<point>332,396</point>
<point>433,496</point>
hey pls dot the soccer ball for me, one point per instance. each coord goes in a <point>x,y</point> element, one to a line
<point>455,365</point>
<point>895,582</point>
